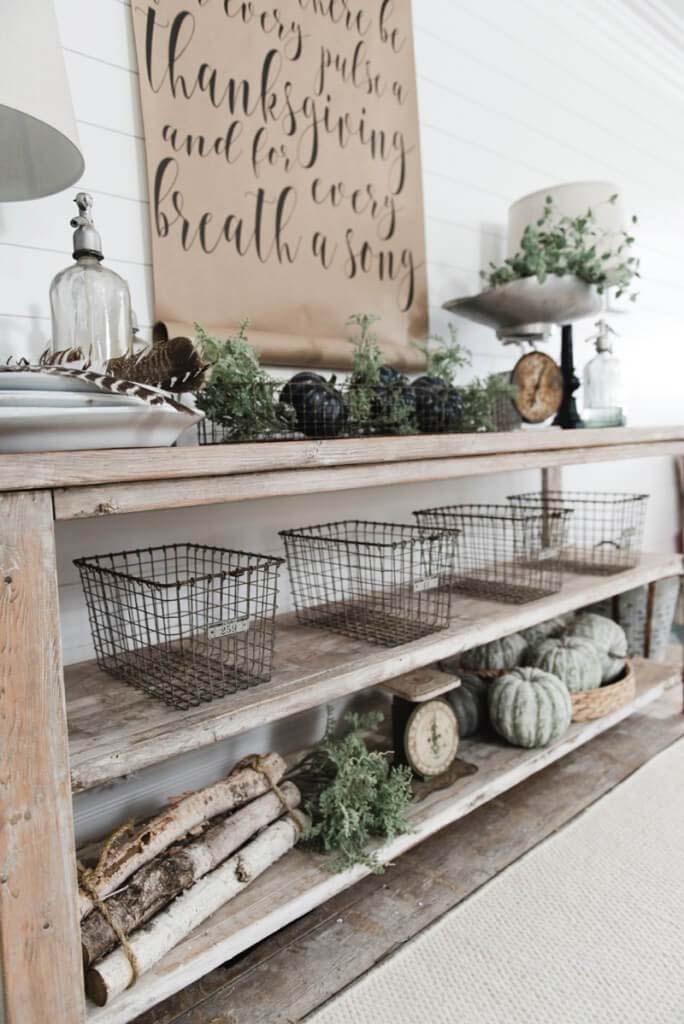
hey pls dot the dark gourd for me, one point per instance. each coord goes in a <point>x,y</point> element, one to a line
<point>529,707</point>
<point>609,639</point>
<point>469,703</point>
<point>439,407</point>
<point>573,659</point>
<point>393,398</point>
<point>319,407</point>
<point>497,656</point>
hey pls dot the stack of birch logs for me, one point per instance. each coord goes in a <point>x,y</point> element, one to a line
<point>155,883</point>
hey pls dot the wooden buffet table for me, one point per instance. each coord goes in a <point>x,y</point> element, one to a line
<point>64,731</point>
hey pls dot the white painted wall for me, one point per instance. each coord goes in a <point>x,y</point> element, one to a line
<point>513,97</point>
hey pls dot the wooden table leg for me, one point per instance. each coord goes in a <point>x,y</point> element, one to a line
<point>40,962</point>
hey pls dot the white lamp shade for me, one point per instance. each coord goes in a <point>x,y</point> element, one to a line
<point>571,200</point>
<point>39,147</point>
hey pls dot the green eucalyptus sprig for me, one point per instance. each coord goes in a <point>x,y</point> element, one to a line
<point>566,246</point>
<point>352,794</point>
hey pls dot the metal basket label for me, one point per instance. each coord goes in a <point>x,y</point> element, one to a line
<point>429,583</point>
<point>228,628</point>
<point>628,532</point>
<point>546,554</point>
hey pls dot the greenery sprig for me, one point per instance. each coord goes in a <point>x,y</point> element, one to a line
<point>480,399</point>
<point>353,794</point>
<point>375,403</point>
<point>444,357</point>
<point>576,246</point>
<point>239,395</point>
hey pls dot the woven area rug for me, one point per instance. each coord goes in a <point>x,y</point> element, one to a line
<point>587,928</point>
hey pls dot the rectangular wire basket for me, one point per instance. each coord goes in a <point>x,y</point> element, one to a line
<point>380,582</point>
<point>310,407</point>
<point>184,622</point>
<point>606,529</point>
<point>504,553</point>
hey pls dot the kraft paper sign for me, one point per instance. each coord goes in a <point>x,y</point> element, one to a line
<point>284,171</point>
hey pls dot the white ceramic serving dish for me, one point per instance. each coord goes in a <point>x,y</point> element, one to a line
<point>46,429</point>
<point>64,399</point>
<point>23,380</point>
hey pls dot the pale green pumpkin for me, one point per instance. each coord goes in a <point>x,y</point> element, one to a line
<point>574,660</point>
<point>534,635</point>
<point>529,707</point>
<point>560,623</point>
<point>497,656</point>
<point>609,639</point>
<point>469,703</point>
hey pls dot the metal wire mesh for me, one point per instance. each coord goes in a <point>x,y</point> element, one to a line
<point>606,529</point>
<point>308,406</point>
<point>380,582</point>
<point>506,554</point>
<point>185,622</point>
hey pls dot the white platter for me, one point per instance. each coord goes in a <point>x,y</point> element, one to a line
<point>23,380</point>
<point>36,429</point>
<point>64,399</point>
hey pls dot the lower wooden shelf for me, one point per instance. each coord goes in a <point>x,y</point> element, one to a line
<point>301,881</point>
<point>115,730</point>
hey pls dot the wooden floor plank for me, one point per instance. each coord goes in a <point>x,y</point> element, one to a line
<point>295,971</point>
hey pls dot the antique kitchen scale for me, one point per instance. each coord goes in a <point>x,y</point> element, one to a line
<point>424,726</point>
<point>524,311</point>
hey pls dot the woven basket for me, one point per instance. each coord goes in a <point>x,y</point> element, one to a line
<point>590,704</point>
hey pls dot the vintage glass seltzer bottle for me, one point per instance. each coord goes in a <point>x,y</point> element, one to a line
<point>90,304</point>
<point>603,391</point>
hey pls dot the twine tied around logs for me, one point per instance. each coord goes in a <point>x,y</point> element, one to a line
<point>257,763</point>
<point>88,878</point>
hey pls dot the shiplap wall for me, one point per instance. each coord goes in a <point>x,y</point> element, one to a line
<point>513,97</point>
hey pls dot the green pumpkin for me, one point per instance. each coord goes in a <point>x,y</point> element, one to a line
<point>560,623</point>
<point>529,707</point>
<point>574,660</point>
<point>534,635</point>
<point>498,656</point>
<point>608,638</point>
<point>469,703</point>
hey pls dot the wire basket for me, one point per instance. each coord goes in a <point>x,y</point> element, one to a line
<point>185,623</point>
<point>605,529</point>
<point>380,582</point>
<point>310,407</point>
<point>505,554</point>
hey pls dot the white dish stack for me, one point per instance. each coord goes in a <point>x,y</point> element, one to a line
<point>44,411</point>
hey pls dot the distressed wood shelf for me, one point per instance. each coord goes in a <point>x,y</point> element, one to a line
<point>96,483</point>
<point>301,882</point>
<point>114,729</point>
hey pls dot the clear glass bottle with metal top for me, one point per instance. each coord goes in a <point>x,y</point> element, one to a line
<point>603,404</point>
<point>90,304</point>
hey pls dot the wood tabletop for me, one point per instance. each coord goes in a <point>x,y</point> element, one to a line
<point>45,470</point>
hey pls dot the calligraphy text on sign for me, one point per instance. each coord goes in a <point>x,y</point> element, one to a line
<point>323,91</point>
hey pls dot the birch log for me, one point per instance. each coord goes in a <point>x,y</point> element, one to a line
<point>113,975</point>
<point>155,885</point>
<point>156,835</point>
